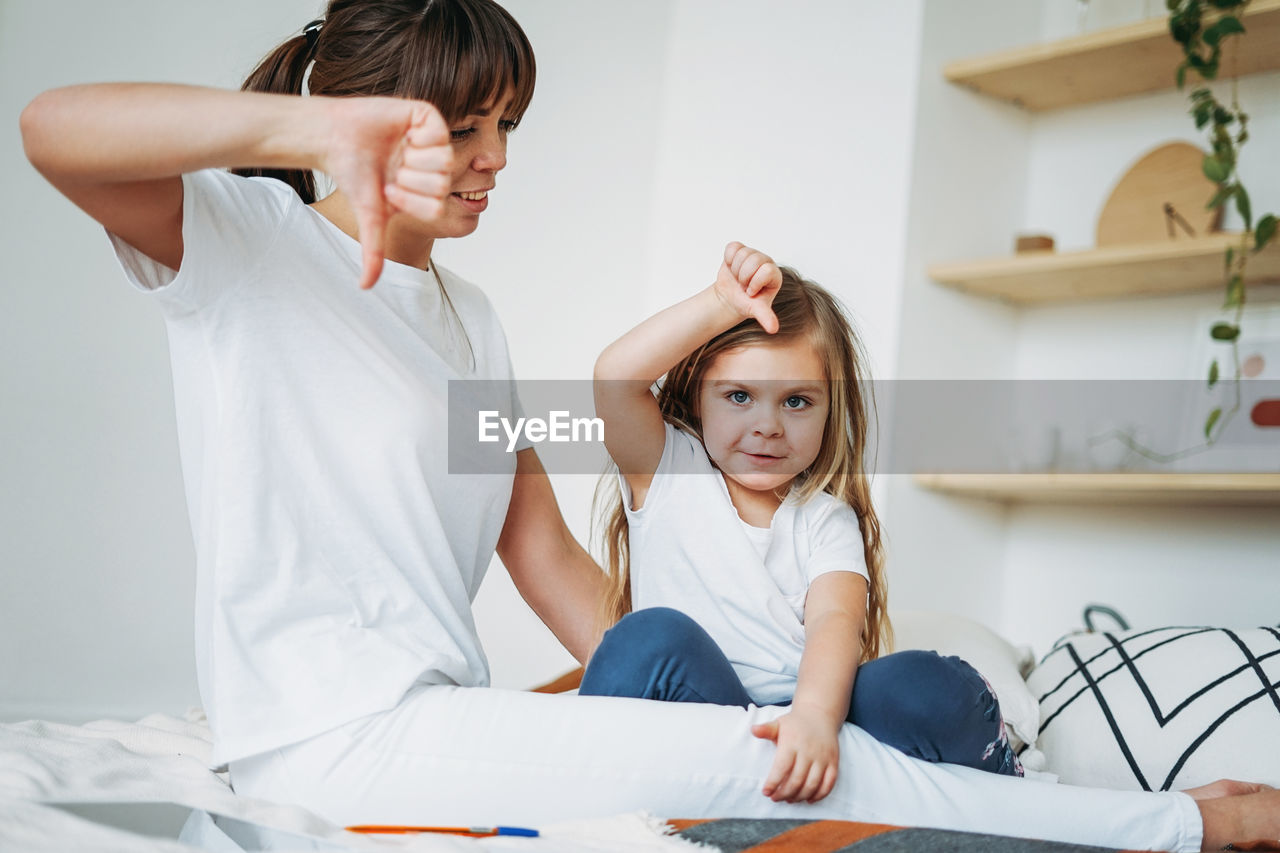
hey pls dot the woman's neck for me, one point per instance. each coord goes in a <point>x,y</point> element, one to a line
<point>400,244</point>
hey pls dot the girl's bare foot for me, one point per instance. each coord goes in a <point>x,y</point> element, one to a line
<point>1246,817</point>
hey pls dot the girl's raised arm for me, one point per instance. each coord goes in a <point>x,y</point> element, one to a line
<point>633,431</point>
<point>117,150</point>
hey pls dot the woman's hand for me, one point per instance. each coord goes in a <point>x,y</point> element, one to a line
<point>387,155</point>
<point>808,758</point>
<point>747,282</point>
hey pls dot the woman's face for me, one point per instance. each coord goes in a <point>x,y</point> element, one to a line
<point>479,153</point>
<point>763,410</point>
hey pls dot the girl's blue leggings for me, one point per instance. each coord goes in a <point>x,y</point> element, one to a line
<point>929,706</point>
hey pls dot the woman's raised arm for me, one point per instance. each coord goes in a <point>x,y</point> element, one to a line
<point>117,150</point>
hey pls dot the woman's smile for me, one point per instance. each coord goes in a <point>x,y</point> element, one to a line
<point>474,201</point>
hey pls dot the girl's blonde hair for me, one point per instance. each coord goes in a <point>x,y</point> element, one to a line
<point>804,310</point>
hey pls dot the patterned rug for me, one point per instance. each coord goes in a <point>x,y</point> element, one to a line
<point>742,835</point>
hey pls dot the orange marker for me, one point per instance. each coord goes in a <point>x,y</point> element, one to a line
<point>472,831</point>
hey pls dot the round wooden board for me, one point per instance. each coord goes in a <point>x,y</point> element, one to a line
<point>1169,174</point>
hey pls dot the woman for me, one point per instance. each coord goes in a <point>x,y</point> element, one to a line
<point>336,554</point>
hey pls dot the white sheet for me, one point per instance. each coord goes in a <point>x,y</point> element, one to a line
<point>163,759</point>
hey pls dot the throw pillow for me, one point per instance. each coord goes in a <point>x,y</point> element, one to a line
<point>1161,709</point>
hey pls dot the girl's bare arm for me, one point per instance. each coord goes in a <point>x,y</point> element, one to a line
<point>808,759</point>
<point>627,368</point>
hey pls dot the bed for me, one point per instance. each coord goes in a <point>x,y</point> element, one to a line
<point>1155,709</point>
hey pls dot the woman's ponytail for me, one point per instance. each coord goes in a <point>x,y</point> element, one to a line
<point>282,72</point>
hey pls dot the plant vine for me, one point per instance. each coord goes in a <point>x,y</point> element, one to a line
<point>1202,28</point>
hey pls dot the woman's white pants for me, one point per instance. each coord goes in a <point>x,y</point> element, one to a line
<point>483,756</point>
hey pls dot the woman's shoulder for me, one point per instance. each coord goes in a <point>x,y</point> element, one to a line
<point>226,183</point>
<point>229,225</point>
<point>254,201</point>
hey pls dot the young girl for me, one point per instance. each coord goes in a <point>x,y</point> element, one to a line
<point>745,539</point>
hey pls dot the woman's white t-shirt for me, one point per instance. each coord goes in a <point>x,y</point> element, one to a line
<point>337,556</point>
<point>744,585</point>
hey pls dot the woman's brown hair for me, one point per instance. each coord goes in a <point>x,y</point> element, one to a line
<point>805,311</point>
<point>460,55</point>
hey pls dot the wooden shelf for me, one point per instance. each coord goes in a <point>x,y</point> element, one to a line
<point>1178,266</point>
<point>1113,63</point>
<point>1118,488</point>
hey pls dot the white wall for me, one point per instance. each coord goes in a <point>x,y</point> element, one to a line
<point>969,156</point>
<point>787,126</point>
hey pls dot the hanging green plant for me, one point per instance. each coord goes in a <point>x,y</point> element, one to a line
<point>1202,28</point>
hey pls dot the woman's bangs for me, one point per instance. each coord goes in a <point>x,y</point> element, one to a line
<point>465,64</point>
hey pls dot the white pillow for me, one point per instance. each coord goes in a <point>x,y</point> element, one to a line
<point>1161,709</point>
<point>1000,663</point>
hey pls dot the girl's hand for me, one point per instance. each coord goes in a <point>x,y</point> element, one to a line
<point>747,282</point>
<point>808,759</point>
<point>387,155</point>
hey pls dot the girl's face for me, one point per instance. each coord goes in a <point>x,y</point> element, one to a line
<point>764,409</point>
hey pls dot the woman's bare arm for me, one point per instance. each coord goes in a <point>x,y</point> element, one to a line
<point>117,150</point>
<point>553,572</point>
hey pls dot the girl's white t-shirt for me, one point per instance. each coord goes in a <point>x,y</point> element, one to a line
<point>744,585</point>
<point>337,556</point>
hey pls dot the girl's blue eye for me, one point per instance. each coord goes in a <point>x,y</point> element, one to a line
<point>795,402</point>
<point>508,125</point>
<point>461,134</point>
<point>739,397</point>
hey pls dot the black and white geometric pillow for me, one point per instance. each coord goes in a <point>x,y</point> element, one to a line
<point>1162,709</point>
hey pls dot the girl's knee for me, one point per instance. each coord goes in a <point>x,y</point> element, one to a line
<point>656,618</point>
<point>927,692</point>
<point>644,637</point>
<point>933,707</point>
<point>660,653</point>
<point>654,627</point>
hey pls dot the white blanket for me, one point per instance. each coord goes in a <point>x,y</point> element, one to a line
<point>163,759</point>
